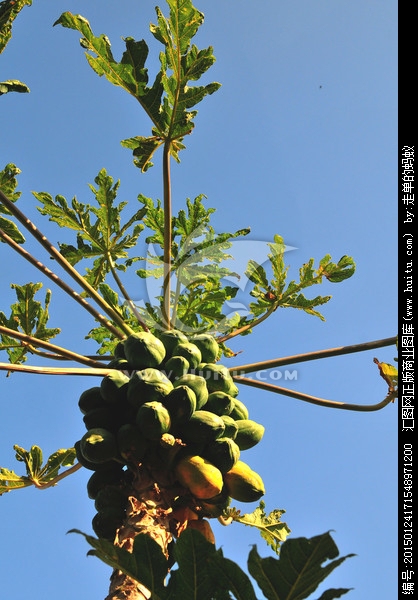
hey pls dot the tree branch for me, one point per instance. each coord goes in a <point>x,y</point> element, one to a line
<point>318,401</point>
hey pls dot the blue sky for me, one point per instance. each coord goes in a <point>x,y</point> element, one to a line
<point>299,141</point>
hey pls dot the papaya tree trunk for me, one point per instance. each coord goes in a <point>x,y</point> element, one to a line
<point>149,511</point>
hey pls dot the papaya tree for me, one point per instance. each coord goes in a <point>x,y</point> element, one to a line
<point>165,373</point>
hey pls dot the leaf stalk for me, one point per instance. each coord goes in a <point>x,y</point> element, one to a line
<point>56,255</point>
<point>65,287</point>
<point>290,360</point>
<point>313,400</point>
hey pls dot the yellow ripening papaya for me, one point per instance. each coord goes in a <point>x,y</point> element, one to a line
<point>204,527</point>
<point>244,484</point>
<point>201,477</point>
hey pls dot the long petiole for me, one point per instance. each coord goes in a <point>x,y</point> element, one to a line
<point>124,292</point>
<point>56,255</point>
<point>176,298</point>
<point>167,236</point>
<point>291,360</point>
<point>36,263</point>
<point>28,339</point>
<point>228,336</point>
<point>70,471</point>
<point>11,368</point>
<point>313,400</point>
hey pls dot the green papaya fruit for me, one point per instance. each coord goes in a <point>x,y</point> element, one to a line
<point>199,476</point>
<point>171,338</point>
<point>119,351</point>
<point>132,444</point>
<point>153,419</point>
<point>216,507</point>
<point>88,464</point>
<point>202,427</point>
<point>119,363</point>
<point>111,496</point>
<point>218,378</point>
<point>176,367</point>
<point>100,417</point>
<point>243,484</point>
<point>143,350</point>
<point>105,523</point>
<point>197,384</point>
<point>149,385</point>
<point>231,427</point>
<point>181,404</point>
<point>111,475</point>
<point>114,387</point>
<point>239,411</point>
<point>249,433</point>
<point>208,346</point>
<point>223,453</point>
<point>98,445</point>
<point>219,403</point>
<point>90,399</point>
<point>232,389</point>
<point>190,352</point>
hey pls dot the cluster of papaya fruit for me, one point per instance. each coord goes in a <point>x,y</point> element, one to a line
<point>167,394</point>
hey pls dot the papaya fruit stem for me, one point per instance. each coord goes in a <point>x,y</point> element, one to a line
<point>290,360</point>
<point>56,255</point>
<point>124,292</point>
<point>313,400</point>
<point>64,286</point>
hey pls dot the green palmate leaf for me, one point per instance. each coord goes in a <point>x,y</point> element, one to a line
<point>9,9</point>
<point>271,528</point>
<point>257,274</point>
<point>299,570</point>
<point>193,578</point>
<point>230,577</point>
<point>13,85</point>
<point>196,252</point>
<point>8,184</point>
<point>28,316</point>
<point>130,74</point>
<point>333,593</point>
<point>146,564</point>
<point>275,294</point>
<point>36,473</point>
<point>11,230</point>
<point>100,234</point>
<point>10,481</point>
<point>186,63</point>
<point>143,149</point>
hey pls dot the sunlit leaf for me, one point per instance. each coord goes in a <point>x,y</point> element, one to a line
<point>299,570</point>
<point>270,526</point>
